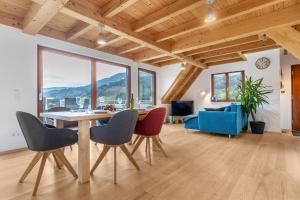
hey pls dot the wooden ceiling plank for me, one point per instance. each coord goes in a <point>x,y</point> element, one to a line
<point>230,50</point>
<point>225,62</point>
<point>222,58</point>
<point>78,30</point>
<point>288,38</point>
<point>114,7</point>
<point>262,49</point>
<point>164,14</point>
<point>165,63</point>
<point>163,59</point>
<point>237,10</point>
<point>111,41</point>
<point>233,43</point>
<point>39,15</point>
<point>284,17</point>
<point>128,48</point>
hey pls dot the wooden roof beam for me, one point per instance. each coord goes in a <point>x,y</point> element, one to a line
<point>222,58</point>
<point>169,62</point>
<point>128,48</point>
<point>223,45</point>
<point>164,14</point>
<point>114,7</point>
<point>78,30</point>
<point>39,15</point>
<point>283,17</point>
<point>230,50</point>
<point>110,41</point>
<point>239,9</point>
<point>288,38</point>
<point>225,61</point>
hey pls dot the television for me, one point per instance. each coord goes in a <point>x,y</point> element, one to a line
<point>182,108</point>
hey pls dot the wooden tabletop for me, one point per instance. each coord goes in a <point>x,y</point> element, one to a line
<point>79,116</point>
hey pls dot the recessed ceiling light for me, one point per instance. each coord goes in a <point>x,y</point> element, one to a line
<point>210,15</point>
<point>101,39</point>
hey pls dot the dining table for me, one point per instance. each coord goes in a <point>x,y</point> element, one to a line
<point>84,119</point>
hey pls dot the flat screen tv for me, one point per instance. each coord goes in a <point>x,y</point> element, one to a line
<point>182,108</point>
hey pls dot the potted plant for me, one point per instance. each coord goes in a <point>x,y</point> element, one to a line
<point>253,94</point>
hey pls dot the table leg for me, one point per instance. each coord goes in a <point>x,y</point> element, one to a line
<point>59,124</point>
<point>84,151</point>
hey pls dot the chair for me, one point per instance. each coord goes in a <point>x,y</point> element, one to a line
<point>45,140</point>
<point>115,134</point>
<point>149,128</point>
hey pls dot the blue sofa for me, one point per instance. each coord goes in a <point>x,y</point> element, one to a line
<point>231,121</point>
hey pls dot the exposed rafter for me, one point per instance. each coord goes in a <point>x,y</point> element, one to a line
<point>112,40</point>
<point>226,61</point>
<point>288,38</point>
<point>239,9</point>
<point>78,30</point>
<point>230,50</point>
<point>176,8</point>
<point>39,15</point>
<point>114,7</point>
<point>128,48</point>
<point>288,16</point>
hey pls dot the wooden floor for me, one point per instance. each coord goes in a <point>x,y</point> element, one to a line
<point>200,166</point>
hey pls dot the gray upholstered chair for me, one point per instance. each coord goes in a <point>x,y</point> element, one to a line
<point>116,133</point>
<point>45,140</point>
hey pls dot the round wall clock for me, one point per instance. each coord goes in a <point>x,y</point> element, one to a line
<point>263,63</point>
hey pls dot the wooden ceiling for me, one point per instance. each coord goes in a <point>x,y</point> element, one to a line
<point>158,32</point>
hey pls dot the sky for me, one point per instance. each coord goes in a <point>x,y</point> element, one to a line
<point>67,71</point>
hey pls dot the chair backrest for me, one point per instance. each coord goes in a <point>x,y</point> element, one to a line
<point>32,129</point>
<point>152,123</point>
<point>123,124</point>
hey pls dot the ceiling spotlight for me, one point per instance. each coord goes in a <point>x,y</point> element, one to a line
<point>101,39</point>
<point>183,64</point>
<point>210,15</point>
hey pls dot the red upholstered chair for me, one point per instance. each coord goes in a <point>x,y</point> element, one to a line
<point>149,128</point>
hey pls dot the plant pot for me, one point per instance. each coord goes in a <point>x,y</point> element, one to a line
<point>257,127</point>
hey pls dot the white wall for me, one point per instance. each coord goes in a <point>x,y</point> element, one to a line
<point>285,98</point>
<point>18,77</point>
<point>270,113</point>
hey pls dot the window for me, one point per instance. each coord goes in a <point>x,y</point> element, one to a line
<point>80,82</point>
<point>112,85</point>
<point>224,86</point>
<point>66,81</point>
<point>147,88</point>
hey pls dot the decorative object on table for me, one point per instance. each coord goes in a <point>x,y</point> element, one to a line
<point>109,107</point>
<point>253,94</point>
<point>132,102</point>
<point>263,63</point>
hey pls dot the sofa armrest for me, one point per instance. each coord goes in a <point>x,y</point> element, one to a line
<point>189,117</point>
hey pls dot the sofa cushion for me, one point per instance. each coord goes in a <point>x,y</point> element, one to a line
<point>214,109</point>
<point>227,109</point>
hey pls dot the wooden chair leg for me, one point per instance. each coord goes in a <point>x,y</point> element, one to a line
<point>115,165</point>
<point>62,157</point>
<point>56,161</point>
<point>137,144</point>
<point>100,158</point>
<point>126,152</point>
<point>155,140</point>
<point>33,162</point>
<point>136,139</point>
<point>71,147</point>
<point>149,149</point>
<point>40,173</point>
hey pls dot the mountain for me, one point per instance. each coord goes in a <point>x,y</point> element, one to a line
<point>112,87</point>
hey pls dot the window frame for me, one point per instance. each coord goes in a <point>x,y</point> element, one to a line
<point>227,85</point>
<point>93,61</point>
<point>154,83</point>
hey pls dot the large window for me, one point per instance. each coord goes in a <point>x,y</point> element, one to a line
<point>66,81</point>
<point>79,82</point>
<point>147,88</point>
<point>112,85</point>
<point>225,85</point>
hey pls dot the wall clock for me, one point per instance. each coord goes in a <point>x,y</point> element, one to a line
<point>263,63</point>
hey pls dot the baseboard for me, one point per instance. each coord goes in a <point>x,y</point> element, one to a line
<point>13,151</point>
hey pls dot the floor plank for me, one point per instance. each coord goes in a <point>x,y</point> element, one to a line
<point>200,166</point>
